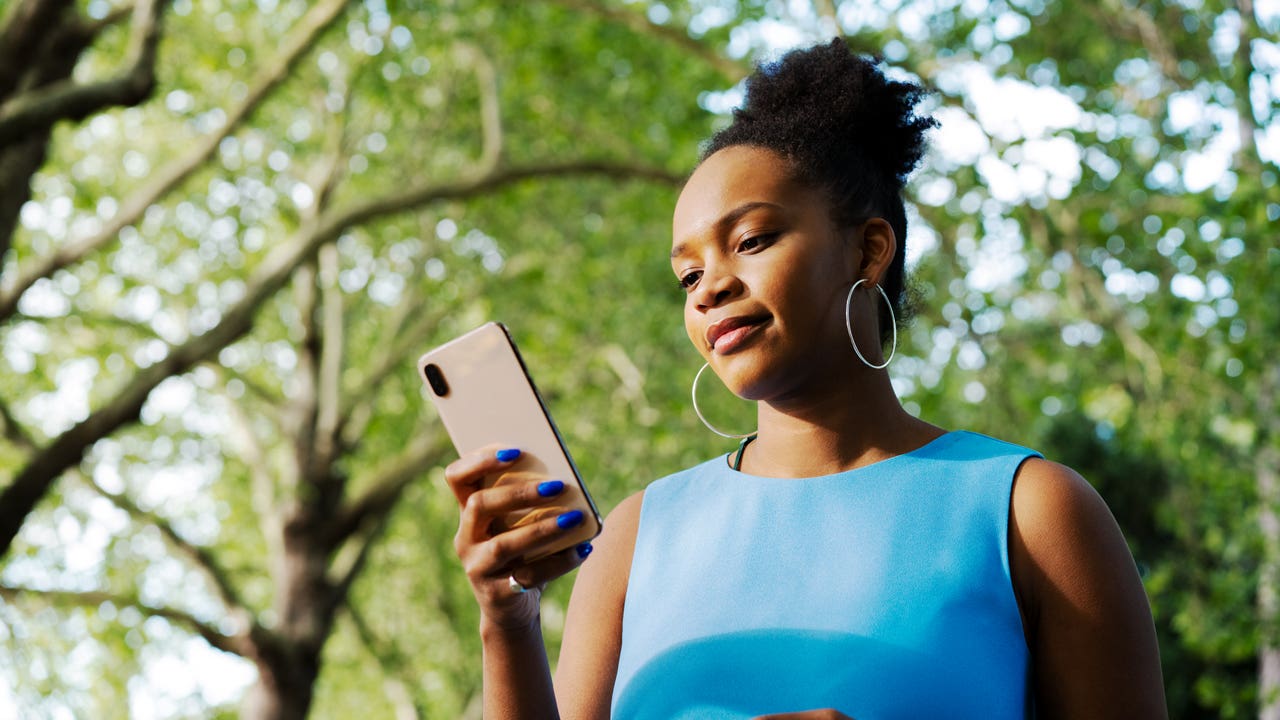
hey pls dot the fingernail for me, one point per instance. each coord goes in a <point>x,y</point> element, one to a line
<point>584,550</point>
<point>507,455</point>
<point>570,519</point>
<point>550,487</point>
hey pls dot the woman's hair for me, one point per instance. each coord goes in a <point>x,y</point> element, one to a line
<point>845,129</point>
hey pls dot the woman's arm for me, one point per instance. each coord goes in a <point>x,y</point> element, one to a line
<point>593,624</point>
<point>1086,617</point>
<point>517,683</point>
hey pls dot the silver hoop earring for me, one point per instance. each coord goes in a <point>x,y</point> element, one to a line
<point>698,410</point>
<point>893,323</point>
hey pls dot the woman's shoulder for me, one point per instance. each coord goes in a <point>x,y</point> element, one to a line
<point>1049,497</point>
<point>1085,613</point>
<point>626,514</point>
<point>1055,513</point>
<point>1064,543</point>
<point>613,547</point>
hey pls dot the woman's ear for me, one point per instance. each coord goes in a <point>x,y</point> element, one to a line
<point>879,245</point>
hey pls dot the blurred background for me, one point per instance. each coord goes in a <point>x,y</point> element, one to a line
<point>229,227</point>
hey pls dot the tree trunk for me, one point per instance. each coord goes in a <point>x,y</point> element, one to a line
<point>1267,468</point>
<point>52,57</point>
<point>17,164</point>
<point>305,607</point>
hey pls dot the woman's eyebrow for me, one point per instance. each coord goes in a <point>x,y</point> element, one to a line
<point>727,220</point>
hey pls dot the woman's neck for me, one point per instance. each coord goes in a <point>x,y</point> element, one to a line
<point>859,423</point>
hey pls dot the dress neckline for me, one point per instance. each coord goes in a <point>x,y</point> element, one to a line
<point>933,445</point>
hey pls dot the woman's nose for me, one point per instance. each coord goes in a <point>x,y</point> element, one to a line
<point>715,288</point>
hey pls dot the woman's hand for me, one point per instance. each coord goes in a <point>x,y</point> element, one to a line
<point>491,554</point>
<point>824,714</point>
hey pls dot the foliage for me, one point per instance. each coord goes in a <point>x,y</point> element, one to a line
<point>1091,284</point>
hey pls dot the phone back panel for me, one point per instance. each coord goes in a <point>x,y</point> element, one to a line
<point>492,400</point>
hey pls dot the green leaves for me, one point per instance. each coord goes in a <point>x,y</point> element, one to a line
<point>1095,281</point>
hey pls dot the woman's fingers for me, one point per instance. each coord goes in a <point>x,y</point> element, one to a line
<point>507,517</point>
<point>497,556</point>
<point>517,491</point>
<point>541,572</point>
<point>466,474</point>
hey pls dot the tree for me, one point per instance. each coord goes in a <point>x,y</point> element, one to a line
<point>37,90</point>
<point>213,301</point>
<point>322,505</point>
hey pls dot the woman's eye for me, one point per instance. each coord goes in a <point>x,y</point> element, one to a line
<point>689,279</point>
<point>755,242</point>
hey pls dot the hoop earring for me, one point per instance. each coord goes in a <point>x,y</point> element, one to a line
<point>698,410</point>
<point>893,323</point>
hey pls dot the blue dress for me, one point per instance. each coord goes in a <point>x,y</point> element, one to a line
<point>882,592</point>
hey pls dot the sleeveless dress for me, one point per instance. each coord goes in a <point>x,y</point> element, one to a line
<point>882,592</point>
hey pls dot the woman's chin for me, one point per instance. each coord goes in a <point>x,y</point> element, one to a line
<point>755,386</point>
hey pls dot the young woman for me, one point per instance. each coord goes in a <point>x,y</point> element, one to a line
<point>849,560</point>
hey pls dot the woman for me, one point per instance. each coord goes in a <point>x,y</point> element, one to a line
<point>849,560</point>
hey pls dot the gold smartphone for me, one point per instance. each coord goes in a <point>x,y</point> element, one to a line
<point>483,392</point>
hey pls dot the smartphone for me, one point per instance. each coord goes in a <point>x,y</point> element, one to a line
<point>483,392</point>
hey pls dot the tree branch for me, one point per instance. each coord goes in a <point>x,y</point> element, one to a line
<point>329,378</point>
<point>98,319</point>
<point>165,179</point>
<point>325,364</point>
<point>263,488</point>
<point>1134,23</point>
<point>115,16</point>
<point>386,487</point>
<point>1147,376</point>
<point>13,430</point>
<point>393,663</point>
<point>238,644</point>
<point>473,184</point>
<point>65,451</point>
<point>257,389</point>
<point>201,556</point>
<point>405,342</point>
<point>490,106</point>
<point>1267,481</point>
<point>26,27</point>
<point>1247,158</point>
<point>732,70</point>
<point>301,409</point>
<point>263,492</point>
<point>67,100</point>
<point>52,59</point>
<point>313,466</point>
<point>341,588</point>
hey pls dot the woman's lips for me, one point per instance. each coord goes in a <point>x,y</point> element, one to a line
<point>728,334</point>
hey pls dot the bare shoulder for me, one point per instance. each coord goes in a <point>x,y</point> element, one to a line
<point>610,562</point>
<point>1063,540</point>
<point>593,624</point>
<point>620,528</point>
<point>1085,613</point>
<point>1050,499</point>
<point>603,577</point>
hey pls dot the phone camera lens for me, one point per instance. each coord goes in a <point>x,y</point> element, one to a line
<point>435,379</point>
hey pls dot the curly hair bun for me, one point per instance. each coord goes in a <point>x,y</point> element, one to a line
<point>826,106</point>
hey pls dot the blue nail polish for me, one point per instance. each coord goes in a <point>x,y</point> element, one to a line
<point>570,519</point>
<point>507,455</point>
<point>550,487</point>
<point>584,550</point>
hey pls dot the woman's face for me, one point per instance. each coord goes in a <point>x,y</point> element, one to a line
<point>766,274</point>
